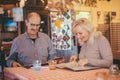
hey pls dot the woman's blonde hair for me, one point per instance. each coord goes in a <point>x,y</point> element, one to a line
<point>88,26</point>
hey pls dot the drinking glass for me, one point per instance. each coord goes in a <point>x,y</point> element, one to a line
<point>37,65</point>
<point>114,69</point>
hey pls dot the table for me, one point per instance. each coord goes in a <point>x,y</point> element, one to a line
<point>20,73</point>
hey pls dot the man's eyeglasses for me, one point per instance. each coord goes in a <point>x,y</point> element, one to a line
<point>37,25</point>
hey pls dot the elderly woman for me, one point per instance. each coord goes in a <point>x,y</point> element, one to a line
<point>95,48</point>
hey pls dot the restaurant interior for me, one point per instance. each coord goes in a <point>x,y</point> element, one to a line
<point>55,15</point>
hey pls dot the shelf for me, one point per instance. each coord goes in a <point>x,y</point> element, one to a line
<point>9,1</point>
<point>7,25</point>
<point>6,43</point>
<point>6,17</point>
<point>9,31</point>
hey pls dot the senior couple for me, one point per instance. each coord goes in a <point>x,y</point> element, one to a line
<point>32,45</point>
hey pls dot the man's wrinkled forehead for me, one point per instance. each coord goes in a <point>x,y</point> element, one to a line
<point>33,14</point>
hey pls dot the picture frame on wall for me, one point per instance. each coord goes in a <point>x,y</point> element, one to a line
<point>17,14</point>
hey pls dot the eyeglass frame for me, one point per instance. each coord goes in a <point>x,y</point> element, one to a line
<point>37,25</point>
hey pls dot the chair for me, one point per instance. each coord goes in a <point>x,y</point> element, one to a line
<point>2,64</point>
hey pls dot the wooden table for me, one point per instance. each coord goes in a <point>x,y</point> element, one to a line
<point>21,73</point>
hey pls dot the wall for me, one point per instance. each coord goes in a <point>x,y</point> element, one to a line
<point>104,7</point>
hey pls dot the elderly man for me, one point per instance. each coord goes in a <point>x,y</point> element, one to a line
<point>31,45</point>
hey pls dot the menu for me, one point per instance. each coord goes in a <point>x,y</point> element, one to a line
<point>75,67</point>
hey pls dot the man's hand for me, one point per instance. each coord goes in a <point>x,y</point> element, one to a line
<point>16,64</point>
<point>62,60</point>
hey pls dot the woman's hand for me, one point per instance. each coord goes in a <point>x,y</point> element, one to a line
<point>82,62</point>
<point>16,64</point>
<point>74,57</point>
